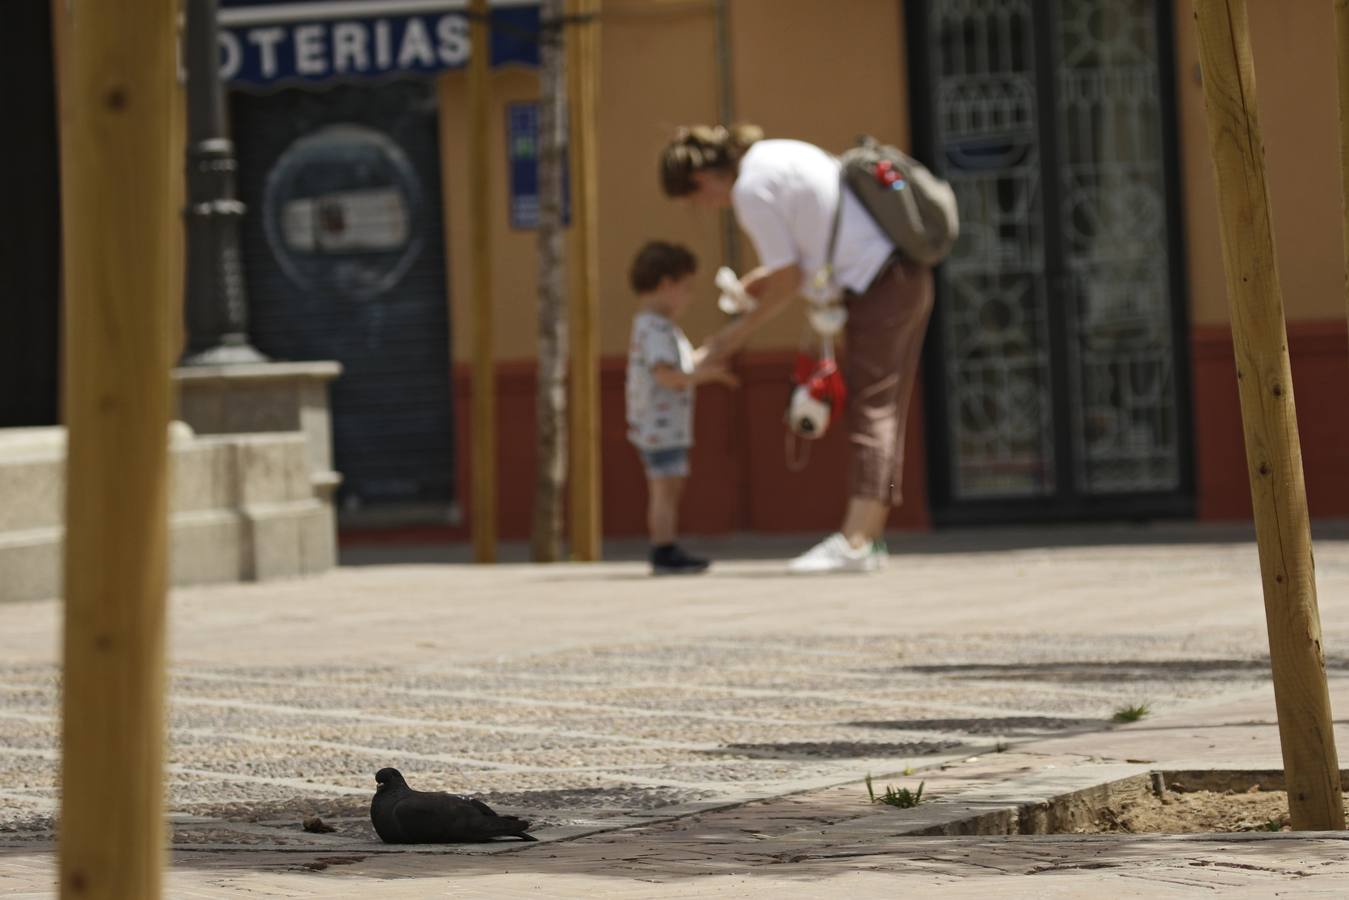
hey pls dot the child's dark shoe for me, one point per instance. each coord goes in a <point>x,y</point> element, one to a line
<point>670,559</point>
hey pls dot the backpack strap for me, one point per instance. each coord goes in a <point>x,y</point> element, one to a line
<point>838,216</point>
<point>826,275</point>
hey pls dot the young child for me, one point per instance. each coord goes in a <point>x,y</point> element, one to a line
<point>663,370</point>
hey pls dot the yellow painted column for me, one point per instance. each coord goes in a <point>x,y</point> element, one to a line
<point>583,60</point>
<point>484,365</point>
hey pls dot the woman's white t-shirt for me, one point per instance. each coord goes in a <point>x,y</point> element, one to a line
<point>784,197</point>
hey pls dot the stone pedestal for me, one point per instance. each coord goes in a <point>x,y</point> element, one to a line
<point>249,399</point>
<point>242,507</point>
<point>252,482</point>
<point>266,398</point>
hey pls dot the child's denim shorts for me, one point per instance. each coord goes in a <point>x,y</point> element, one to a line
<point>667,462</point>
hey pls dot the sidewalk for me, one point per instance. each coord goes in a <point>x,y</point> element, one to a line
<point>708,735</point>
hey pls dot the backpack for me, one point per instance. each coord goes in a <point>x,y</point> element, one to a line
<point>915,209</point>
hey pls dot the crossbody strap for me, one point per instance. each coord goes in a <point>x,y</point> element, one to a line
<point>838,216</point>
<point>825,276</point>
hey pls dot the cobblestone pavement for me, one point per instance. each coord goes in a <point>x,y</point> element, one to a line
<point>644,713</point>
<point>597,737</point>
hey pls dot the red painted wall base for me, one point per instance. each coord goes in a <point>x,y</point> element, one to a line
<point>1320,359</point>
<point>741,481</point>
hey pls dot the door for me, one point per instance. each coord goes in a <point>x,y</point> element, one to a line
<point>344,258</point>
<point>30,230</point>
<point>1056,373</point>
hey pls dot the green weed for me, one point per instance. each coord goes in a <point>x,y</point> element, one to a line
<point>1131,713</point>
<point>903,798</point>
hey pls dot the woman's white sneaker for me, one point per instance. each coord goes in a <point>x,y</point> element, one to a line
<point>835,554</point>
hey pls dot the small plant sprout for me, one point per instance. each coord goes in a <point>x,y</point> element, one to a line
<point>1131,713</point>
<point>908,770</point>
<point>902,798</point>
<point>1000,747</point>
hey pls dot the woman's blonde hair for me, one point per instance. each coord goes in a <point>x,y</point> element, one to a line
<point>703,148</point>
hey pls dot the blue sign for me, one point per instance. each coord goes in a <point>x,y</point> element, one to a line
<point>263,42</point>
<point>522,151</point>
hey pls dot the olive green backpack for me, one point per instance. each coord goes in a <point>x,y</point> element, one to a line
<point>915,209</point>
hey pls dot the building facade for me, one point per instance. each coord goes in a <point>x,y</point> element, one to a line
<point>1079,363</point>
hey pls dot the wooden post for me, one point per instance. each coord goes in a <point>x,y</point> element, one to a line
<point>484,366</point>
<point>1273,452</point>
<point>583,45</point>
<point>117,86</point>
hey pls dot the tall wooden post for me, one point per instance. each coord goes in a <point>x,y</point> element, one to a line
<point>1273,451</point>
<point>117,85</point>
<point>484,365</point>
<point>583,60</point>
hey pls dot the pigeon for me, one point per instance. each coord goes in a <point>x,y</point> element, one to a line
<point>404,816</point>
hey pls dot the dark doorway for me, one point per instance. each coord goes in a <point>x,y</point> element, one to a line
<point>1057,371</point>
<point>30,230</point>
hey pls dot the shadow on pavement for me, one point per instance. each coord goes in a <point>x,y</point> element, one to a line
<point>680,855</point>
<point>1107,671</point>
<point>981,539</point>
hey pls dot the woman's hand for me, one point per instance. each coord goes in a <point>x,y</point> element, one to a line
<point>773,291</point>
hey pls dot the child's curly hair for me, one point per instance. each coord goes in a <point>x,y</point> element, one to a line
<point>658,260</point>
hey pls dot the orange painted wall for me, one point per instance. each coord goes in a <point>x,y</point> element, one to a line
<point>659,71</point>
<point>824,72</point>
<point>1294,47</point>
<point>656,72</point>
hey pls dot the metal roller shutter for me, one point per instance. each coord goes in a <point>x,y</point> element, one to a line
<point>345,260</point>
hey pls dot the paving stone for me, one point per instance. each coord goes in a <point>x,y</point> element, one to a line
<point>604,708</point>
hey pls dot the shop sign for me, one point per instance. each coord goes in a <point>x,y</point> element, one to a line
<point>265,42</point>
<point>522,150</point>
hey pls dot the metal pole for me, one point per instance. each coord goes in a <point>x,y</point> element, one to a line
<point>551,394</point>
<point>117,89</point>
<point>730,231</point>
<point>484,366</point>
<point>1269,418</point>
<point>583,94</point>
<point>217,308</point>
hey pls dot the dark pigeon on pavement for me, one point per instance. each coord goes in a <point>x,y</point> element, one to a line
<point>404,816</point>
